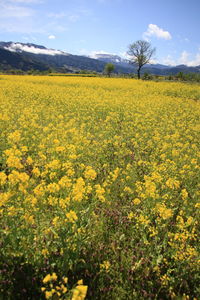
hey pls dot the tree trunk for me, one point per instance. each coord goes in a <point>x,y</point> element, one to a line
<point>138,73</point>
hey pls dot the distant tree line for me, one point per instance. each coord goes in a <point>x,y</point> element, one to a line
<point>22,72</point>
<point>181,76</point>
<point>190,77</point>
<point>108,71</point>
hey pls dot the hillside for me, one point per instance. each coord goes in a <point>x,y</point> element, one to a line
<point>26,56</point>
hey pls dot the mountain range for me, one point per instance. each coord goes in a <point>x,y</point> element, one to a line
<point>26,56</point>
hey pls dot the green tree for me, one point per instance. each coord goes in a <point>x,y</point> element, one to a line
<point>140,54</point>
<point>147,76</point>
<point>109,68</point>
<point>180,76</point>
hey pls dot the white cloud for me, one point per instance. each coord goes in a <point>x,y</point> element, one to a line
<point>51,37</point>
<point>60,15</point>
<point>57,15</point>
<point>124,55</point>
<point>153,61</point>
<point>154,30</point>
<point>169,61</point>
<point>30,25</point>
<point>26,1</point>
<point>196,62</point>
<point>185,59</point>
<point>94,54</point>
<point>29,38</point>
<point>73,18</point>
<point>17,46</point>
<point>105,1</point>
<point>17,16</point>
<point>58,28</point>
<point>183,39</point>
<point>14,11</point>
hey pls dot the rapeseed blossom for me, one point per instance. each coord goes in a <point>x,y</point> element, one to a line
<point>100,176</point>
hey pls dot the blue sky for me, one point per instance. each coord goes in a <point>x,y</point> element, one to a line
<point>107,26</point>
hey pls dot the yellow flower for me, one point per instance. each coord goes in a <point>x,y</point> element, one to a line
<point>71,216</point>
<point>54,164</point>
<point>136,201</point>
<point>172,183</point>
<point>36,172</point>
<point>65,182</point>
<point>29,160</point>
<point>100,192</point>
<point>105,265</point>
<point>14,162</point>
<point>45,252</point>
<point>128,190</point>
<point>73,156</point>
<point>48,294</point>
<point>150,188</point>
<point>78,189</point>
<point>184,194</point>
<point>53,187</point>
<point>70,172</point>
<point>14,137</point>
<point>90,173</point>
<point>47,278</point>
<point>4,197</point>
<point>29,219</point>
<point>65,279</point>
<point>130,215</point>
<point>163,211</point>
<point>189,221</point>
<point>54,276</point>
<point>24,149</point>
<point>64,289</point>
<point>39,190</point>
<point>3,178</point>
<point>60,149</point>
<point>143,220</point>
<point>197,205</point>
<point>164,279</point>
<point>80,292</point>
<point>56,221</point>
<point>23,177</point>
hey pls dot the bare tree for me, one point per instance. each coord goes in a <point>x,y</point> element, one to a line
<point>140,52</point>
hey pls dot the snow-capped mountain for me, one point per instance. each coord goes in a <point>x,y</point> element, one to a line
<point>61,61</point>
<point>107,57</point>
<point>26,56</point>
<point>30,48</point>
<point>111,58</point>
<point>116,59</point>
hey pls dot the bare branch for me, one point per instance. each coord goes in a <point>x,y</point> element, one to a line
<point>140,52</point>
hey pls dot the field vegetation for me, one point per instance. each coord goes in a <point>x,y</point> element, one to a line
<point>99,188</point>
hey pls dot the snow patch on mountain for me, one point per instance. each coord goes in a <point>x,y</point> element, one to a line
<point>106,57</point>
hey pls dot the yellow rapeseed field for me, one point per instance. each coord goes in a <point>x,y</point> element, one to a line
<point>99,188</point>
